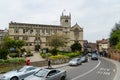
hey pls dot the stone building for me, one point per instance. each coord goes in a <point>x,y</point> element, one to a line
<point>103,45</point>
<point>36,35</point>
<point>2,34</point>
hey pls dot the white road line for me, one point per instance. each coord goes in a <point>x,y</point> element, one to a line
<point>87,72</point>
<point>113,70</point>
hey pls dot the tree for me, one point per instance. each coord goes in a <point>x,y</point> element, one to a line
<point>3,53</point>
<point>12,43</point>
<point>7,42</point>
<point>19,43</point>
<point>118,46</point>
<point>115,35</point>
<point>56,41</point>
<point>76,46</point>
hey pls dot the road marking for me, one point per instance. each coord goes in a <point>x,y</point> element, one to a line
<point>88,71</point>
<point>105,71</point>
<point>113,70</point>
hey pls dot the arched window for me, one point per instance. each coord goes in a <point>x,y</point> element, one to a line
<point>76,33</point>
<point>66,20</point>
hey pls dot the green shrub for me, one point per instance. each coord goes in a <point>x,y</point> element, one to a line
<point>54,51</point>
<point>118,46</point>
<point>15,60</point>
<point>29,54</point>
<point>3,53</point>
<point>12,60</point>
<point>14,55</point>
<point>71,54</point>
<point>58,57</point>
<point>76,46</point>
<point>44,55</point>
<point>23,50</point>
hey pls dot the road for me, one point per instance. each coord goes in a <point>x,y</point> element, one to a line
<point>92,70</point>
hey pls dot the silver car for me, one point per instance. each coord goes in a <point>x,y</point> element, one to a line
<point>20,73</point>
<point>48,74</point>
<point>75,61</point>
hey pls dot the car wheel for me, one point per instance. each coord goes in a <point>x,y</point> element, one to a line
<point>62,78</point>
<point>14,78</point>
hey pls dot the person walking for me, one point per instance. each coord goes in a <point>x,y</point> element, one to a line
<point>49,63</point>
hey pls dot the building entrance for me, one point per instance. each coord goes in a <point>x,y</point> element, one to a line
<point>37,47</point>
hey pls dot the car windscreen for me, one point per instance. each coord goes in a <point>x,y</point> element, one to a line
<point>94,55</point>
<point>21,69</point>
<point>83,58</point>
<point>75,59</point>
<point>41,73</point>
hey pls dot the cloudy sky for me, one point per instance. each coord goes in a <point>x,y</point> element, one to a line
<point>96,17</point>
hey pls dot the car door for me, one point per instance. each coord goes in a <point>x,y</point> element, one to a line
<point>52,75</point>
<point>79,61</point>
<point>29,71</point>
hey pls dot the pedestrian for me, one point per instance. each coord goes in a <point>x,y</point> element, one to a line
<point>49,63</point>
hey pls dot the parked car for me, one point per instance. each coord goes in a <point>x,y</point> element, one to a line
<point>89,54</point>
<point>48,74</point>
<point>94,56</point>
<point>19,74</point>
<point>84,59</point>
<point>75,61</point>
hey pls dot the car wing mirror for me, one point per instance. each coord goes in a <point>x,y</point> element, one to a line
<point>47,76</point>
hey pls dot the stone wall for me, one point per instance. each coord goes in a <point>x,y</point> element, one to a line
<point>53,62</point>
<point>114,54</point>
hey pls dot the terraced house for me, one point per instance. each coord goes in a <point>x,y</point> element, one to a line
<point>36,35</point>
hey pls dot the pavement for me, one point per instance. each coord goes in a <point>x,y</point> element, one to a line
<point>52,66</point>
<point>117,77</point>
<point>36,57</point>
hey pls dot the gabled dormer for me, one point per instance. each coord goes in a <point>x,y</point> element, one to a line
<point>76,27</point>
<point>77,32</point>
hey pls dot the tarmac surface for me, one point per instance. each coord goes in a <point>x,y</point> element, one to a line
<point>117,77</point>
<point>36,57</point>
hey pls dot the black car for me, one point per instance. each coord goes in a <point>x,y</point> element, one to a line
<point>94,56</point>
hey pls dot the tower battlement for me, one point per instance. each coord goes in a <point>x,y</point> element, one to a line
<point>65,20</point>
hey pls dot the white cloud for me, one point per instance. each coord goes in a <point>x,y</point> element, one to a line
<point>97,17</point>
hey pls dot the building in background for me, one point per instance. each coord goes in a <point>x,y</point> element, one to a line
<point>2,34</point>
<point>36,35</point>
<point>92,47</point>
<point>103,46</point>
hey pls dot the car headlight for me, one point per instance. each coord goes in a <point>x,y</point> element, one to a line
<point>4,77</point>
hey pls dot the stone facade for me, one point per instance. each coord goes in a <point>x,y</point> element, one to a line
<point>103,45</point>
<point>2,34</point>
<point>36,35</point>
